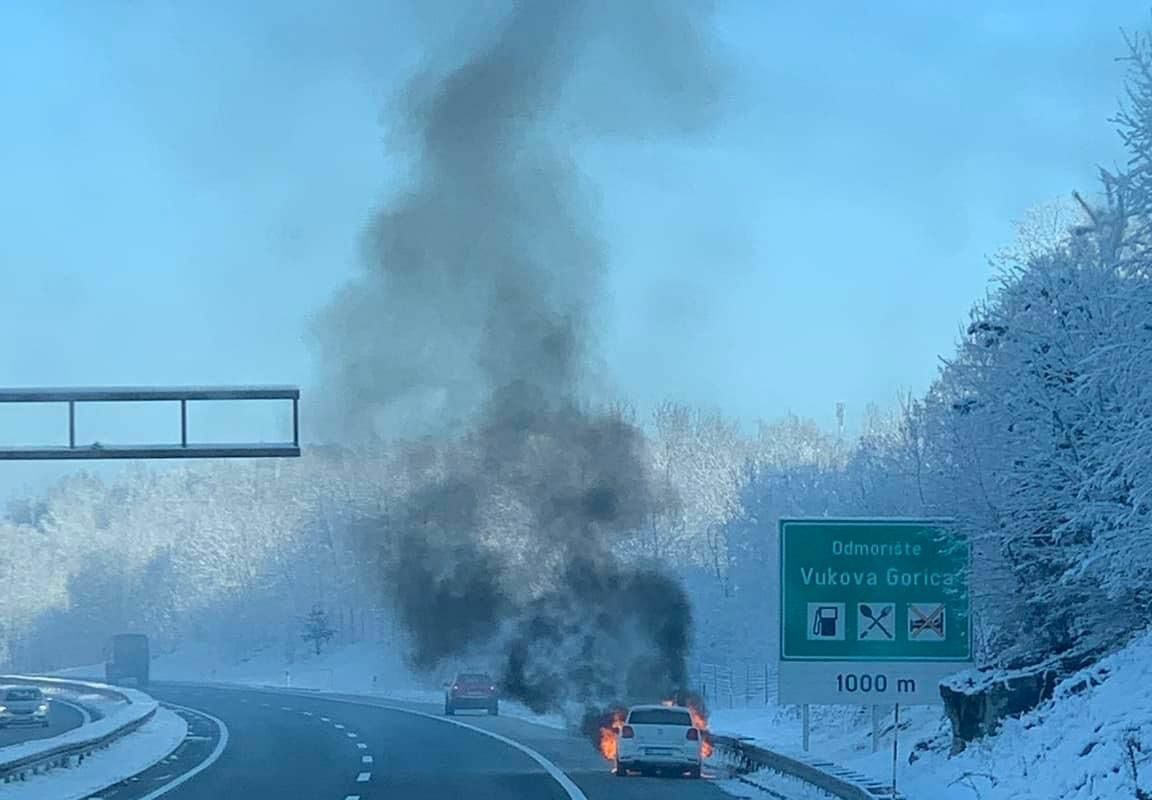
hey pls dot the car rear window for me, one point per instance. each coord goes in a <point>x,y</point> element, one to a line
<point>23,694</point>
<point>475,677</point>
<point>659,716</point>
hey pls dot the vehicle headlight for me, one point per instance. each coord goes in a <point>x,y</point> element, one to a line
<point>42,707</point>
<point>3,708</point>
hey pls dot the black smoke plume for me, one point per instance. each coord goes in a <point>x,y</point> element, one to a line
<point>476,316</point>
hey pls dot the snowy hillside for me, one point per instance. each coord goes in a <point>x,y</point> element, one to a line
<point>1092,742</point>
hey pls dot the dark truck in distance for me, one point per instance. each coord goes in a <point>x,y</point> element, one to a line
<point>128,659</point>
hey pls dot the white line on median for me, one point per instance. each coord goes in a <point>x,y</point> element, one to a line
<point>351,735</point>
<point>85,715</point>
<point>338,726</point>
<point>352,797</point>
<point>203,765</point>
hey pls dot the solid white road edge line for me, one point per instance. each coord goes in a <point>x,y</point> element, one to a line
<point>557,774</point>
<point>574,792</point>
<point>203,765</point>
<point>85,713</point>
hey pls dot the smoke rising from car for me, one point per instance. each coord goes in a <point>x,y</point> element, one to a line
<point>476,316</point>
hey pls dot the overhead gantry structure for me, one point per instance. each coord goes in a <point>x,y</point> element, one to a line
<point>182,447</point>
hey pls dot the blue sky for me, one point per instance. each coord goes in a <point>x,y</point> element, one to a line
<point>185,184</point>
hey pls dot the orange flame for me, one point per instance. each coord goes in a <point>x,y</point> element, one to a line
<point>700,723</point>
<point>608,740</point>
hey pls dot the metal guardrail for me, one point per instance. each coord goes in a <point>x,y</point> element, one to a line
<point>19,761</point>
<point>745,757</point>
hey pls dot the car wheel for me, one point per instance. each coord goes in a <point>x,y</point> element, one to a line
<point>494,710</point>
<point>44,724</point>
<point>449,711</point>
<point>694,772</point>
<point>621,770</point>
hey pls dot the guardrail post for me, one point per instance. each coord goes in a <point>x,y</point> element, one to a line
<point>804,714</point>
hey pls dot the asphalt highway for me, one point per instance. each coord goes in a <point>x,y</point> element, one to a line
<point>259,745</point>
<point>61,717</point>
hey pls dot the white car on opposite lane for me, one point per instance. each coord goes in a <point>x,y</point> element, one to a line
<point>22,705</point>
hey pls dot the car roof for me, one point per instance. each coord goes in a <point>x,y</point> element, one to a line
<point>6,688</point>
<point>656,706</point>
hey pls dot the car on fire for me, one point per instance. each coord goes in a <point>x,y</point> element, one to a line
<point>471,690</point>
<point>658,738</point>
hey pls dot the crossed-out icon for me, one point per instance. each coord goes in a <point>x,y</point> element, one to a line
<point>926,622</point>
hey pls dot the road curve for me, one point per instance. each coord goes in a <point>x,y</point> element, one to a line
<point>285,744</point>
<point>61,717</point>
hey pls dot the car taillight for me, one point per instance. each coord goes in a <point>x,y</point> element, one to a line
<point>626,732</point>
<point>693,735</point>
<point>455,687</point>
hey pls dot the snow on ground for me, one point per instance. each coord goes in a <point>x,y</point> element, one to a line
<point>361,668</point>
<point>1075,747</point>
<point>99,704</point>
<point>1094,744</point>
<point>131,755</point>
<point>771,786</point>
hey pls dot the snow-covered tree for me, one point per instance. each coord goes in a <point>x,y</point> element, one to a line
<point>317,629</point>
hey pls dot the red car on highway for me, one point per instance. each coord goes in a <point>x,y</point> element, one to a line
<point>471,690</point>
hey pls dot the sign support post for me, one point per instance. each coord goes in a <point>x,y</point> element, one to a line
<point>875,728</point>
<point>807,727</point>
<point>895,745</point>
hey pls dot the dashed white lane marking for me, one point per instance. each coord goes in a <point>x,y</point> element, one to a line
<point>285,708</point>
<point>306,713</point>
<point>203,765</point>
<point>338,726</point>
<point>325,719</point>
<point>361,745</point>
<point>265,705</point>
<point>243,699</point>
<point>366,759</point>
<point>352,797</point>
<point>364,777</point>
<point>351,735</point>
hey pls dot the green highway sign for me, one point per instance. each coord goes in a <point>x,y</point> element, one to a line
<point>874,601</point>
